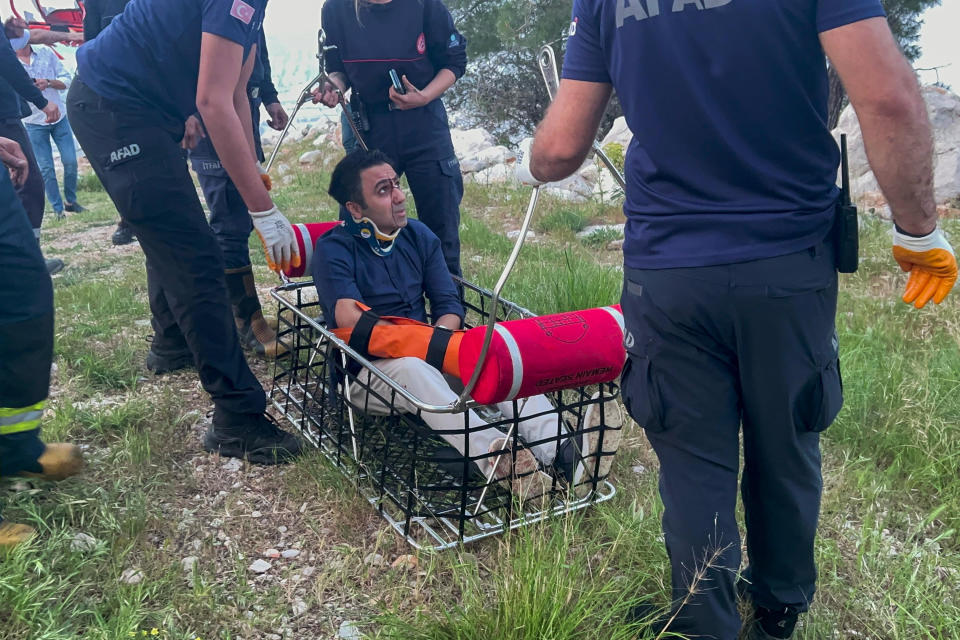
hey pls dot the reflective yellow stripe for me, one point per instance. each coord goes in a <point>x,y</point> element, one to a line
<point>20,419</point>
<point>6,413</point>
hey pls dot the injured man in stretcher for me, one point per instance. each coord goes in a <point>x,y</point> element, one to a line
<point>390,264</point>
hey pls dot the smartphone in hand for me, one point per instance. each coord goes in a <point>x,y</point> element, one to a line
<point>397,84</point>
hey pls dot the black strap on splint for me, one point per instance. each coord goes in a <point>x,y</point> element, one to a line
<point>360,338</point>
<point>437,348</point>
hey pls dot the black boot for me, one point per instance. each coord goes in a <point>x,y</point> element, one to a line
<point>167,358</point>
<point>123,235</point>
<point>252,329</point>
<point>772,625</point>
<point>255,437</point>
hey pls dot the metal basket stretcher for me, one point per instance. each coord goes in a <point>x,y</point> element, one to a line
<point>429,493</point>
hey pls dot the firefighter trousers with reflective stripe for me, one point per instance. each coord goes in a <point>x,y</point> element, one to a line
<point>26,335</point>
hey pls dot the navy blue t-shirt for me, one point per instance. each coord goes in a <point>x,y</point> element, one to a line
<point>415,37</point>
<point>344,267</point>
<point>731,158</point>
<point>149,56</point>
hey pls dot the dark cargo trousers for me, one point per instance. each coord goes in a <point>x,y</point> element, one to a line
<point>31,192</point>
<point>26,335</point>
<point>229,216</point>
<point>711,351</point>
<point>138,159</point>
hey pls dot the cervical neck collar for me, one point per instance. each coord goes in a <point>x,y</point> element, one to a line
<point>367,230</point>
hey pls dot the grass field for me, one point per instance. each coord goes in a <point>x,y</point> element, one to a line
<point>171,531</point>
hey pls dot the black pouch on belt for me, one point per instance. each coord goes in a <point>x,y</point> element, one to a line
<point>846,232</point>
<point>359,112</point>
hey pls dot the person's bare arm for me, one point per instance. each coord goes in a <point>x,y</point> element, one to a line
<point>44,36</point>
<point>884,92</point>
<point>11,155</point>
<point>221,85</point>
<point>565,136</point>
<point>348,312</point>
<point>241,102</point>
<point>449,321</point>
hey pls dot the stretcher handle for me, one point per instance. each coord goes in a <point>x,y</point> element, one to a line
<point>547,61</point>
<point>306,94</point>
<point>495,301</point>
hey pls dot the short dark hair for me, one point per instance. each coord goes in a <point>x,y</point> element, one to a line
<point>345,183</point>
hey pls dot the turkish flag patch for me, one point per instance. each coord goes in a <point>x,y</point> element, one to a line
<point>242,11</point>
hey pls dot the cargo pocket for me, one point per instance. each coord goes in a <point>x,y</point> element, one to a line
<point>821,399</point>
<point>641,393</point>
<point>450,168</point>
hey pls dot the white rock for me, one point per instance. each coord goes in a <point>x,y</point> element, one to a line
<point>282,529</point>
<point>638,469</point>
<point>470,142</point>
<point>513,234</point>
<point>348,631</point>
<point>269,138</point>
<point>943,108</point>
<point>187,564</point>
<point>573,189</point>
<point>233,465</point>
<point>374,560</point>
<point>132,576</point>
<point>487,158</point>
<point>282,169</point>
<point>290,554</point>
<point>619,133</point>
<point>306,572</point>
<point>271,553</point>
<point>256,514</point>
<point>497,174</point>
<point>299,607</point>
<point>260,566</point>
<point>600,228</point>
<point>311,157</point>
<point>83,542</point>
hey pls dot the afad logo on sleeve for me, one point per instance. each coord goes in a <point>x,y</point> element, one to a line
<point>421,44</point>
<point>242,11</point>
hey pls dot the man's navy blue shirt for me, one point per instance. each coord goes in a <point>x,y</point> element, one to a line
<point>344,267</point>
<point>731,158</point>
<point>415,37</point>
<point>148,57</point>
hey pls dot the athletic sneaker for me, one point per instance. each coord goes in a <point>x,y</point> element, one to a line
<point>74,207</point>
<point>576,461</point>
<point>254,437</point>
<point>520,471</point>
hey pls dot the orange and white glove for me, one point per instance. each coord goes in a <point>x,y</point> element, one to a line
<point>279,241</point>
<point>931,263</point>
<point>265,177</point>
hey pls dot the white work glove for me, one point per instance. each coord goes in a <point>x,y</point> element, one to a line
<point>265,177</point>
<point>523,174</point>
<point>279,241</point>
